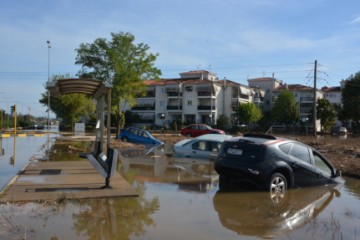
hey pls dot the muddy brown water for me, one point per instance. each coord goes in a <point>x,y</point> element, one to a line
<point>181,199</point>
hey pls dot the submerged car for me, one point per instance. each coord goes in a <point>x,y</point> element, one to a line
<point>195,130</point>
<point>199,147</point>
<point>273,163</point>
<point>136,135</point>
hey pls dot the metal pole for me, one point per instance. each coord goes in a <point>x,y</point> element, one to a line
<point>48,42</point>
<point>314,106</point>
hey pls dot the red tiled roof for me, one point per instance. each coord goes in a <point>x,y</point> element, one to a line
<point>293,87</point>
<point>331,89</point>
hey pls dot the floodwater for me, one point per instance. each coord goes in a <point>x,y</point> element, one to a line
<point>181,199</point>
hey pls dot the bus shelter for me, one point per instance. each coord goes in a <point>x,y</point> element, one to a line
<point>103,161</point>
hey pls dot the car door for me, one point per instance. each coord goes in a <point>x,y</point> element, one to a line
<point>200,149</point>
<point>305,173</point>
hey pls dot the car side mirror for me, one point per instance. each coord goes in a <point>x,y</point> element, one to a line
<point>338,173</point>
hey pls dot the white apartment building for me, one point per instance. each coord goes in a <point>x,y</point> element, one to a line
<point>195,97</point>
<point>334,96</point>
<point>200,97</point>
<point>304,96</point>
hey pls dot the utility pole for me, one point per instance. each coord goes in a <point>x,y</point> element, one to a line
<point>314,106</point>
<point>48,42</point>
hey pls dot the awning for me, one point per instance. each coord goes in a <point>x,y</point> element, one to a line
<point>244,91</point>
<point>91,87</point>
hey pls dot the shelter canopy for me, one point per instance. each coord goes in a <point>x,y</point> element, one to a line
<point>90,87</point>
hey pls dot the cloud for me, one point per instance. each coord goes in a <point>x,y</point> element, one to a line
<point>355,20</point>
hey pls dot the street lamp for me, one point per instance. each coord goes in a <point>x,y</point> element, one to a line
<point>48,110</point>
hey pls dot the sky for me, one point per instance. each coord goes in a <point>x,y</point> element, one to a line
<point>236,39</point>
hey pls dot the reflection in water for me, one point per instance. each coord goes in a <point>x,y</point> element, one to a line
<point>115,218</point>
<point>179,199</point>
<point>158,165</point>
<point>256,214</point>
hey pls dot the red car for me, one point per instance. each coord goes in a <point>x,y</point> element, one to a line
<point>195,130</point>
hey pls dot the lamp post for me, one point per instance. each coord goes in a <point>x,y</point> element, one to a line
<point>48,110</point>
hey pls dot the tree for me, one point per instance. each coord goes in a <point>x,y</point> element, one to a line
<point>223,122</point>
<point>285,109</point>
<point>326,113</point>
<point>69,107</point>
<point>248,113</point>
<point>351,99</point>
<point>121,62</point>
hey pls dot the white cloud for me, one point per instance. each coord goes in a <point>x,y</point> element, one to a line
<point>355,20</point>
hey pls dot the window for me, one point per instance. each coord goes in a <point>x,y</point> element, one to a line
<point>285,147</point>
<point>300,152</point>
<point>189,103</point>
<point>321,164</point>
<point>201,145</point>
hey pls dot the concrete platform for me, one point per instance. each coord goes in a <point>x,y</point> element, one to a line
<point>41,181</point>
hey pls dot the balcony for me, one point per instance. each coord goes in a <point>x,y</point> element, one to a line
<point>174,94</point>
<point>205,107</point>
<point>150,94</point>
<point>174,107</point>
<point>144,107</point>
<point>307,99</point>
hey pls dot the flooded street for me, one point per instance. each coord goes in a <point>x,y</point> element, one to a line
<point>181,199</point>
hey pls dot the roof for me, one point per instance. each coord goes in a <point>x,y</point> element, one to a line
<point>293,87</point>
<point>331,89</point>
<point>176,81</point>
<point>78,85</point>
<point>263,79</point>
<point>214,137</point>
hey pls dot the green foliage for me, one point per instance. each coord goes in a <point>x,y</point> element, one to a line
<point>351,99</point>
<point>24,120</point>
<point>70,107</point>
<point>326,113</point>
<point>121,62</point>
<point>223,122</point>
<point>285,109</point>
<point>248,113</point>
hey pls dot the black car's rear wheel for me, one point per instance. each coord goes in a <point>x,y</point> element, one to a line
<point>278,185</point>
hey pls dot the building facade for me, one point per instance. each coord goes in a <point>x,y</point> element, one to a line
<point>195,97</point>
<point>200,97</point>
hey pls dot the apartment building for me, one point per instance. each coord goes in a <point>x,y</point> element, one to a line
<point>304,96</point>
<point>200,97</point>
<point>195,97</point>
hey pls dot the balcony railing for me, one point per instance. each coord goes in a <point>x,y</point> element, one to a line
<point>174,94</point>
<point>306,99</point>
<point>204,94</point>
<point>174,107</point>
<point>144,107</point>
<point>204,107</point>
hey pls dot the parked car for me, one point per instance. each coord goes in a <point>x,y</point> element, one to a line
<point>273,163</point>
<point>136,135</point>
<point>199,147</point>
<point>342,130</point>
<point>195,130</point>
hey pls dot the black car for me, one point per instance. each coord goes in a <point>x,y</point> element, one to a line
<point>273,163</point>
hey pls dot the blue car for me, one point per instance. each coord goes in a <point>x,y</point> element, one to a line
<point>136,135</point>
